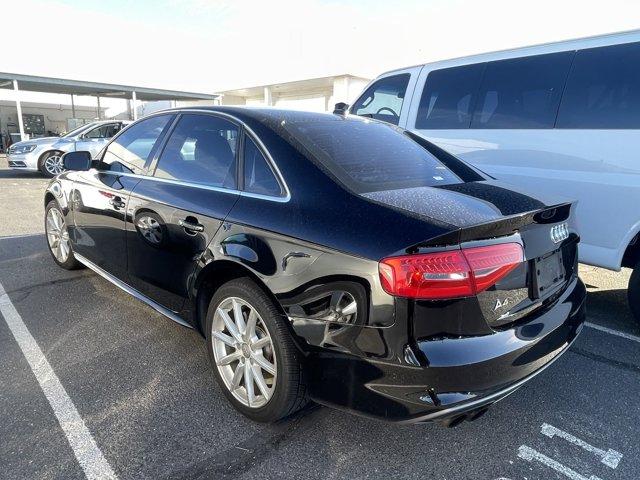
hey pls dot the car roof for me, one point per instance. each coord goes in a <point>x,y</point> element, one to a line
<point>262,114</point>
<point>274,118</point>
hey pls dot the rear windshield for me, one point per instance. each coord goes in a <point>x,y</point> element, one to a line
<point>368,156</point>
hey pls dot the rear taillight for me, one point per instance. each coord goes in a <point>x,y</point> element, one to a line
<point>449,274</point>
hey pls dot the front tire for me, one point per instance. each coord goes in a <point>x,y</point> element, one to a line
<point>50,164</point>
<point>254,359</point>
<point>57,235</point>
<point>633,292</point>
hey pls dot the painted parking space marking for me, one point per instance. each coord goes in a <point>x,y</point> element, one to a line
<point>529,454</point>
<point>610,458</point>
<point>610,331</point>
<point>84,447</point>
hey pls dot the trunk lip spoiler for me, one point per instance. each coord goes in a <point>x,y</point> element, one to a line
<point>504,226</point>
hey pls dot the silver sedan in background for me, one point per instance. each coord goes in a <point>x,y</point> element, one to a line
<point>45,154</point>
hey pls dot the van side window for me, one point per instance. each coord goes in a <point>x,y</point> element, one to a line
<point>523,92</point>
<point>603,89</point>
<point>383,100</point>
<point>448,97</point>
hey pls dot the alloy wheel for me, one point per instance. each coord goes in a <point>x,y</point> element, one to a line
<point>53,164</point>
<point>243,352</point>
<point>58,235</point>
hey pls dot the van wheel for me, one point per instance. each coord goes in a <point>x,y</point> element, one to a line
<point>633,292</point>
<point>254,359</point>
<point>50,164</point>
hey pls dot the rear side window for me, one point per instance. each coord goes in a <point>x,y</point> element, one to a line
<point>603,89</point>
<point>369,156</point>
<point>383,100</point>
<point>201,149</point>
<point>258,176</point>
<point>131,150</point>
<point>522,93</point>
<point>448,97</point>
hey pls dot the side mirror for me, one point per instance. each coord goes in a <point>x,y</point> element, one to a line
<point>341,108</point>
<point>77,161</point>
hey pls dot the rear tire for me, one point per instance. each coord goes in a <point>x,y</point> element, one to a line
<point>57,236</point>
<point>633,292</point>
<point>276,391</point>
<point>50,163</point>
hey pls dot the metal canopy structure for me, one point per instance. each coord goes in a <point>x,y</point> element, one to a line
<point>31,83</point>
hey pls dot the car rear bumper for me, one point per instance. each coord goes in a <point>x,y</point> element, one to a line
<point>454,378</point>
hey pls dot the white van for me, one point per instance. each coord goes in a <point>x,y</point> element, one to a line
<point>562,118</point>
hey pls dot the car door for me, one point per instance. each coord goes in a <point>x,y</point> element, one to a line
<point>178,208</point>
<point>95,139</point>
<point>99,196</point>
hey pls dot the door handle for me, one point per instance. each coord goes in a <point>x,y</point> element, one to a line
<point>190,226</point>
<point>117,203</point>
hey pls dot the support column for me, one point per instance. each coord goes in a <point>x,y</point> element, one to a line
<point>98,98</point>
<point>134,101</point>
<point>268,98</point>
<point>19,109</point>
<point>73,107</point>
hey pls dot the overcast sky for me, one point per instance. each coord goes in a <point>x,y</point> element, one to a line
<point>211,45</point>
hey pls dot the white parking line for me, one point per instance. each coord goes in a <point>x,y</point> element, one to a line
<point>529,454</point>
<point>84,447</point>
<point>610,458</point>
<point>610,331</point>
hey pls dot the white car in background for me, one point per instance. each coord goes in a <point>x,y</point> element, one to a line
<point>45,154</point>
<point>561,118</point>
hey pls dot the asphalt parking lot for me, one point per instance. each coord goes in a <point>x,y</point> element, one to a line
<point>142,386</point>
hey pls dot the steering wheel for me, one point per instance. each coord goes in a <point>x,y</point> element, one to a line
<point>389,110</point>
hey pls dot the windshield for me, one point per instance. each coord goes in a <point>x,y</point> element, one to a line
<point>368,156</point>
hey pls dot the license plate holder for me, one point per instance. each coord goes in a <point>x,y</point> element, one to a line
<point>549,273</point>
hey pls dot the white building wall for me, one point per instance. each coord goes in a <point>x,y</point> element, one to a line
<point>55,116</point>
<point>298,96</point>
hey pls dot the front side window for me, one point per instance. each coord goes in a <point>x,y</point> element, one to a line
<point>603,89</point>
<point>258,176</point>
<point>201,149</point>
<point>522,93</point>
<point>368,156</point>
<point>383,100</point>
<point>133,148</point>
<point>104,131</point>
<point>448,97</point>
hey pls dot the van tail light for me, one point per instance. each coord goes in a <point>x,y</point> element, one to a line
<point>449,274</point>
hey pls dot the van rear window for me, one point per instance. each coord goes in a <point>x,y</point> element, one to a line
<point>603,89</point>
<point>369,156</point>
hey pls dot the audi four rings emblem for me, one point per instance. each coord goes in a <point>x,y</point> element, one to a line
<point>559,232</point>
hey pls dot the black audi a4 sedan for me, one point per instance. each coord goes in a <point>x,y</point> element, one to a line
<point>326,257</point>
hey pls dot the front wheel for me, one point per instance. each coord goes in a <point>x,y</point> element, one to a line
<point>254,358</point>
<point>633,292</point>
<point>57,234</point>
<point>50,164</point>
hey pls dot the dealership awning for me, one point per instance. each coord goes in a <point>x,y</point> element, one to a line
<point>31,83</point>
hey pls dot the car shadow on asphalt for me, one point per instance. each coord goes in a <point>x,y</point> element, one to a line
<point>610,308</point>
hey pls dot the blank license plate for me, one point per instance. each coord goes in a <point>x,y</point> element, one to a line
<point>550,272</point>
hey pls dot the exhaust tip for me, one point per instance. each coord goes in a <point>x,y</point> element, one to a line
<point>470,416</point>
<point>454,421</point>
